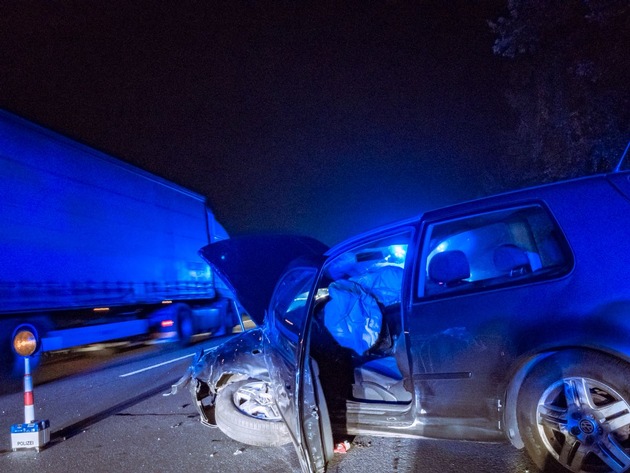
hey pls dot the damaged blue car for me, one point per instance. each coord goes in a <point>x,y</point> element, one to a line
<point>501,319</point>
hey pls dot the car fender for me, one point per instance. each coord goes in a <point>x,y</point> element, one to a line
<point>604,330</point>
<point>241,357</point>
<point>242,354</point>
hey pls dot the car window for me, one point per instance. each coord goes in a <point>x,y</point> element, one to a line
<point>493,249</point>
<point>290,298</point>
<point>358,285</point>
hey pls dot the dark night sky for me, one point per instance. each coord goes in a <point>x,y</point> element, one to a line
<point>322,118</point>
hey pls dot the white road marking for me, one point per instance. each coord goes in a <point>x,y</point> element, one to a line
<point>156,366</point>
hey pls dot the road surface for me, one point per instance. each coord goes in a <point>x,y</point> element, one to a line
<point>115,418</point>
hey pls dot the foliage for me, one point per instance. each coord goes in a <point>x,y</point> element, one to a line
<point>569,64</point>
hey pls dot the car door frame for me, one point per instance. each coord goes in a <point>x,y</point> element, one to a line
<point>312,432</point>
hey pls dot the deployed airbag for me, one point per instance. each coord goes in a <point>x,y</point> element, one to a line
<point>352,316</point>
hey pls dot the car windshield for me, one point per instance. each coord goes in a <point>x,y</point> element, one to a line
<point>354,263</point>
<point>288,305</point>
<point>357,285</point>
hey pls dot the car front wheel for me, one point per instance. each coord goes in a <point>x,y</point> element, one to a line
<point>246,412</point>
<point>574,413</point>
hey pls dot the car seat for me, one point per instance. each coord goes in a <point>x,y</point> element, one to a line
<point>515,261</point>
<point>449,268</point>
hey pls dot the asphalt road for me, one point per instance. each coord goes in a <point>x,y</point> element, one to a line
<point>76,391</point>
<point>163,434</point>
<point>108,420</point>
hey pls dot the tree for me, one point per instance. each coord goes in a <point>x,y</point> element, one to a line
<point>569,75</point>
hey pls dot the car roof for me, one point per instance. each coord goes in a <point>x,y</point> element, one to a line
<point>505,198</point>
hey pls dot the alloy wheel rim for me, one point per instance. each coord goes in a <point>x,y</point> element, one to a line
<point>585,425</point>
<point>255,400</point>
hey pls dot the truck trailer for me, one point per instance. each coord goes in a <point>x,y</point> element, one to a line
<point>93,249</point>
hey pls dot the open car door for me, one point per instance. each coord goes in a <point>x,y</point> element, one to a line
<point>294,375</point>
<point>278,272</point>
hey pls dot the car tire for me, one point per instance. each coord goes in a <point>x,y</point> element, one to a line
<point>185,324</point>
<point>246,412</point>
<point>574,413</point>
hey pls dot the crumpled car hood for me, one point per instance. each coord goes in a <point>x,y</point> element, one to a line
<point>252,265</point>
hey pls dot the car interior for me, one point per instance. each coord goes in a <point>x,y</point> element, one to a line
<point>357,325</point>
<point>357,335</point>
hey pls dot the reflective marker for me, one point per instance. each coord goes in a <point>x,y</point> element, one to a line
<point>29,404</point>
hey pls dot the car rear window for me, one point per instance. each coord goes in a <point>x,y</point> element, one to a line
<point>493,249</point>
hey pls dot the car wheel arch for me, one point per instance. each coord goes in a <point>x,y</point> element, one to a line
<point>233,376</point>
<point>245,359</point>
<point>510,397</point>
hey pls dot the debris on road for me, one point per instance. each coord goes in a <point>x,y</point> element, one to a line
<point>342,447</point>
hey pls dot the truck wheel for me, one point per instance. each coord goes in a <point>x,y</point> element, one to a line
<point>221,324</point>
<point>185,325</point>
<point>246,412</point>
<point>230,317</point>
<point>11,366</point>
<point>574,413</point>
